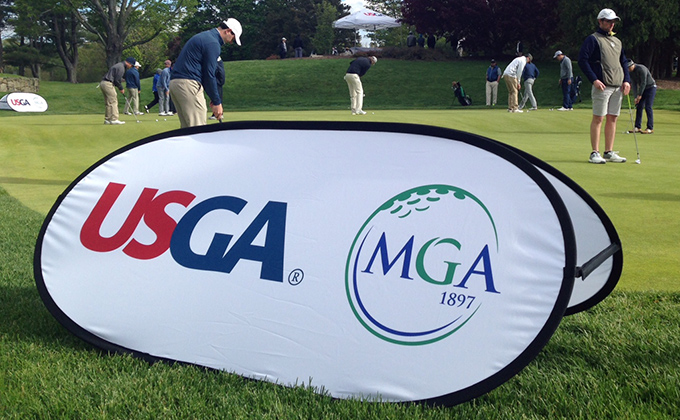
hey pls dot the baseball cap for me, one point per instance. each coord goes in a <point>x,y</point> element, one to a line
<point>131,60</point>
<point>493,60</point>
<point>530,57</point>
<point>236,28</point>
<point>137,64</point>
<point>373,59</point>
<point>607,14</point>
<point>630,63</point>
<point>558,52</point>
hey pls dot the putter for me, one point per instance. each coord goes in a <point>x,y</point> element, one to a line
<point>630,112</point>
<point>127,105</point>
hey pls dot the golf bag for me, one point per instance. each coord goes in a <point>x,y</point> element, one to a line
<point>459,93</point>
<point>576,89</point>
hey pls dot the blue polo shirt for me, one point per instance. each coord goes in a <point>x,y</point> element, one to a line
<point>198,61</point>
<point>132,79</point>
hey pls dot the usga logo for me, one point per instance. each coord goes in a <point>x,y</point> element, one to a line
<point>421,266</point>
<point>177,236</point>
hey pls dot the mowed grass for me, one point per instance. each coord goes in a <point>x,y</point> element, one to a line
<point>617,360</point>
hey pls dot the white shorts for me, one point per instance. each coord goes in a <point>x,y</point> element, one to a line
<point>607,102</point>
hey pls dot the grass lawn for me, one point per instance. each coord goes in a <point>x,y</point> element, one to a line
<point>618,360</point>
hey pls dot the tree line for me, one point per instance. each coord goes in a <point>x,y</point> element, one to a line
<point>42,30</point>
<point>45,29</point>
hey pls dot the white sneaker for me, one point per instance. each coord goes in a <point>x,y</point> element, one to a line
<point>116,122</point>
<point>107,122</point>
<point>212,117</point>
<point>562,109</point>
<point>596,158</point>
<point>162,114</point>
<point>361,113</point>
<point>128,113</point>
<point>146,108</point>
<point>533,109</point>
<point>139,113</point>
<point>614,157</point>
<point>517,111</point>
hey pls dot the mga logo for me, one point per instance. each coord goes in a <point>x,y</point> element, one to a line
<point>422,265</point>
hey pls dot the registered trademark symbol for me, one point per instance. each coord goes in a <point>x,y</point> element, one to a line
<point>295,277</point>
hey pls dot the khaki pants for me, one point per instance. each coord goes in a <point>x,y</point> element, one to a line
<point>187,95</point>
<point>356,91</point>
<point>132,100</point>
<point>111,99</point>
<point>511,83</point>
<point>491,93</point>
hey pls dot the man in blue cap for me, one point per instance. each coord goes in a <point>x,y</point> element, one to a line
<point>112,81</point>
<point>194,72</point>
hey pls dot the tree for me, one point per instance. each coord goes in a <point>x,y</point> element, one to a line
<point>51,20</point>
<point>649,29</point>
<point>390,36</point>
<point>488,26</point>
<point>114,21</point>
<point>5,13</point>
<point>326,14</point>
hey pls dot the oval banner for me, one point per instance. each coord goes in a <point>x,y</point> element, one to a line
<point>23,102</point>
<point>389,262</point>
<point>594,233</point>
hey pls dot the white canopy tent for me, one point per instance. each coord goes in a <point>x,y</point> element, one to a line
<point>366,19</point>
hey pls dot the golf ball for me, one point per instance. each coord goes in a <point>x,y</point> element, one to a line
<point>165,119</point>
<point>156,119</point>
<point>373,113</point>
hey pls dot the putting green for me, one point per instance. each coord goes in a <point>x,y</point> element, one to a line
<point>42,154</point>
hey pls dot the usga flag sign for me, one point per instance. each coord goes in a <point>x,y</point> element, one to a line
<point>23,102</point>
<point>379,261</point>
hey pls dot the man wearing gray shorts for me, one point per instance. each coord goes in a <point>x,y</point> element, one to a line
<point>195,70</point>
<point>603,62</point>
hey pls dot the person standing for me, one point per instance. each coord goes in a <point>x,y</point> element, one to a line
<point>283,49</point>
<point>411,40</point>
<point>566,81</point>
<point>111,81</point>
<point>421,41</point>
<point>493,77</point>
<point>512,76</point>
<point>164,90</point>
<point>644,90</point>
<point>195,70</point>
<point>133,87</point>
<point>298,45</point>
<point>603,61</point>
<point>529,75</point>
<point>154,89</point>
<point>431,41</point>
<point>358,68</point>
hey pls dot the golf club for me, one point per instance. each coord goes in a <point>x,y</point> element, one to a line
<point>630,112</point>
<point>127,106</point>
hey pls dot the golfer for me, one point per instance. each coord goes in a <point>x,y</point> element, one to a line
<point>112,81</point>
<point>357,68</point>
<point>512,76</point>
<point>644,90</point>
<point>602,50</point>
<point>195,71</point>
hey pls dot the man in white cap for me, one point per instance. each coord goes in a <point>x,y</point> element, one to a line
<point>134,88</point>
<point>603,61</point>
<point>512,77</point>
<point>357,68</point>
<point>195,70</point>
